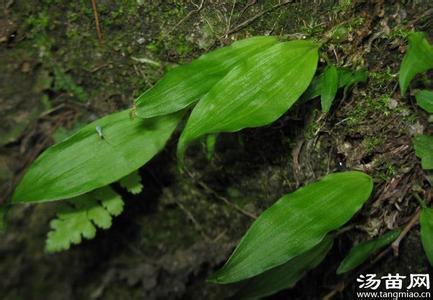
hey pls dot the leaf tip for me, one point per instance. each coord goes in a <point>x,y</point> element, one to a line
<point>180,154</point>
<point>403,86</point>
<point>340,270</point>
<point>216,277</point>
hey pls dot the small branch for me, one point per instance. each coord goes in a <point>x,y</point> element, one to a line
<point>338,289</point>
<point>225,200</point>
<point>413,221</point>
<point>199,8</point>
<point>197,225</point>
<point>425,14</point>
<point>249,21</point>
<point>98,26</point>
<point>421,201</point>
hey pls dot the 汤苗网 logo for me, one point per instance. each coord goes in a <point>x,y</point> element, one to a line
<point>395,282</point>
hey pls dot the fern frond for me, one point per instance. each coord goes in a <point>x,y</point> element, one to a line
<point>132,183</point>
<point>79,217</point>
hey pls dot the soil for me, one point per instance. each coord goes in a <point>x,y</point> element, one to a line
<point>56,75</point>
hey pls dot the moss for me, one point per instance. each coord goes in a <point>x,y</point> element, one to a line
<point>398,32</point>
<point>343,6</point>
<point>371,142</point>
<point>365,108</point>
<point>383,78</point>
<point>386,172</point>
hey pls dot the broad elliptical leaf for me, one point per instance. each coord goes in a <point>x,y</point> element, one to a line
<point>296,223</point>
<point>254,93</point>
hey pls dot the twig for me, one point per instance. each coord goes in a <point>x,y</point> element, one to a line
<point>338,289</point>
<point>413,221</point>
<point>249,21</point>
<point>225,200</point>
<point>54,109</point>
<point>98,26</point>
<point>194,221</point>
<point>229,22</point>
<point>249,4</point>
<point>199,8</point>
<point>425,14</point>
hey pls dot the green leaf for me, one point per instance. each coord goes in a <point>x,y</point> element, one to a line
<point>210,145</point>
<point>286,275</point>
<point>424,99</point>
<point>71,225</point>
<point>185,85</point>
<point>100,216</point>
<point>296,223</point>
<point>78,218</point>
<point>85,161</point>
<point>361,252</point>
<point>254,93</point>
<point>426,222</point>
<point>110,200</point>
<point>329,83</point>
<point>346,79</point>
<point>418,59</point>
<point>132,183</point>
<point>423,145</point>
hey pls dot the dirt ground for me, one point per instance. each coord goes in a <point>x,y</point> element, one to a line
<point>56,75</point>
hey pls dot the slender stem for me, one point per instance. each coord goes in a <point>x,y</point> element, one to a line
<point>420,200</point>
<point>98,26</point>
<point>413,221</point>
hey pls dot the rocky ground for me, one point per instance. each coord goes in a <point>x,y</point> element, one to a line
<point>56,75</point>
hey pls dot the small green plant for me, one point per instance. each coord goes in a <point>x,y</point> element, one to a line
<point>419,59</point>
<point>424,99</point>
<point>346,79</point>
<point>423,145</point>
<point>78,217</point>
<point>361,252</point>
<point>426,222</point>
<point>250,83</point>
<point>329,83</point>
<point>239,86</point>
